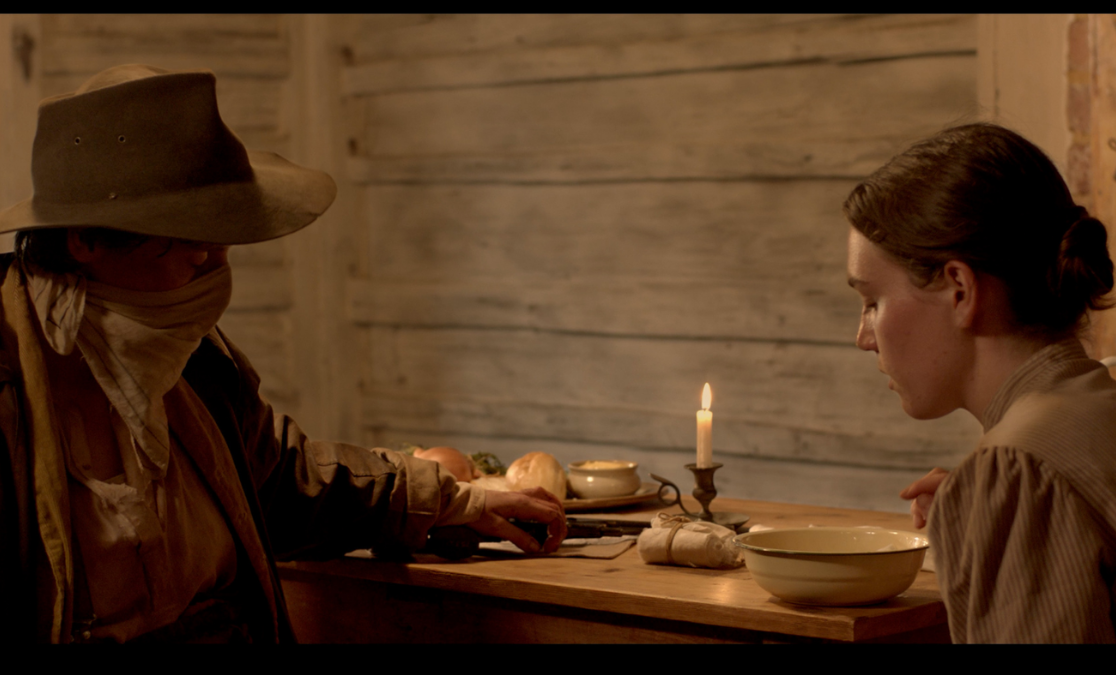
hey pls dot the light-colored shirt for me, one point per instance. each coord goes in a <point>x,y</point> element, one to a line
<point>149,548</point>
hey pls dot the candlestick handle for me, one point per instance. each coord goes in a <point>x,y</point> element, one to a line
<point>704,489</point>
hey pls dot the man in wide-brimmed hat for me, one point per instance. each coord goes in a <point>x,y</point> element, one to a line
<point>145,486</point>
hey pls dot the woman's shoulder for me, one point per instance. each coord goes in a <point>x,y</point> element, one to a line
<point>1078,411</point>
<point>1065,434</point>
<point>999,482</point>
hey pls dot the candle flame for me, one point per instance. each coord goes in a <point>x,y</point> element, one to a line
<point>706,397</point>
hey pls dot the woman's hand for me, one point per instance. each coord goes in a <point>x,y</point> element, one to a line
<point>922,492</point>
<point>535,504</point>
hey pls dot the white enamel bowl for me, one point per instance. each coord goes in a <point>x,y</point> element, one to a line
<point>839,566</point>
<point>601,479</point>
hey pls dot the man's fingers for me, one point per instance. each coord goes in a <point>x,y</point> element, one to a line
<point>505,530</point>
<point>543,507</point>
<point>555,534</point>
<point>540,506</point>
<point>539,510</point>
<point>535,505</point>
<point>545,495</point>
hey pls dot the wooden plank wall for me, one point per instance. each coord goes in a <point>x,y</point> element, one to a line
<point>19,98</point>
<point>569,223</point>
<point>573,222</point>
<point>1100,71</point>
<point>251,56</point>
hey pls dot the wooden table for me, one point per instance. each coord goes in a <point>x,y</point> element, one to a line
<point>545,599</point>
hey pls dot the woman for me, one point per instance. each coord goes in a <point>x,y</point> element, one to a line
<point>976,271</point>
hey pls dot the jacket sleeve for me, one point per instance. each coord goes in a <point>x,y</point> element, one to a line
<point>321,499</point>
<point>1019,554</point>
<point>18,550</point>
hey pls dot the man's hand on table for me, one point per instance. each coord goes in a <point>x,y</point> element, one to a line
<point>534,504</point>
<point>922,492</point>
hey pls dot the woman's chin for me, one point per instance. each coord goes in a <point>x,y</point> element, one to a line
<point>924,412</point>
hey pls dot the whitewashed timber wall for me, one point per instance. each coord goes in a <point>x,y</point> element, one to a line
<point>257,60</point>
<point>19,97</point>
<point>551,230</point>
<point>576,221</point>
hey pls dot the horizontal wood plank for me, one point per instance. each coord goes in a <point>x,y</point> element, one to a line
<point>271,252</point>
<point>277,141</point>
<point>385,37</point>
<point>334,610</point>
<point>155,27</point>
<point>252,45</point>
<point>750,260</point>
<point>838,39</point>
<point>250,104</point>
<point>809,120</point>
<point>781,401</point>
<point>261,287</point>
<point>767,309</point>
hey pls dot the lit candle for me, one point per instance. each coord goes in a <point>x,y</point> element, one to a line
<point>705,430</point>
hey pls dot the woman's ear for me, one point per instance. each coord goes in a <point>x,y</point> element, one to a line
<point>81,250</point>
<point>965,296</point>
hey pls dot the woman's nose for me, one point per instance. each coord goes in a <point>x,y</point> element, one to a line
<point>866,338</point>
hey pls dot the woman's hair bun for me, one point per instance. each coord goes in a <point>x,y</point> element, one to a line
<point>988,197</point>
<point>1084,268</point>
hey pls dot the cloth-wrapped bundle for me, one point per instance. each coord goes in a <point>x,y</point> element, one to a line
<point>677,540</point>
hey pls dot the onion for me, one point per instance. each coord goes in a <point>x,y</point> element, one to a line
<point>538,469</point>
<point>453,459</point>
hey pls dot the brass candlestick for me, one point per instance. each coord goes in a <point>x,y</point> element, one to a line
<point>705,491</point>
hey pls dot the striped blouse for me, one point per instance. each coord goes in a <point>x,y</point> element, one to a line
<point>1024,529</point>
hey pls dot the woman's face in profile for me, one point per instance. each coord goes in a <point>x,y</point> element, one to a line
<point>911,329</point>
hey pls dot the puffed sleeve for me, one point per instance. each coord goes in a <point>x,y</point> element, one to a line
<point>1020,556</point>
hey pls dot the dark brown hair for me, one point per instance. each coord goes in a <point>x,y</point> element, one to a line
<point>986,196</point>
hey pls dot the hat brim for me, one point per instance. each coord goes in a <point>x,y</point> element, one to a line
<point>283,198</point>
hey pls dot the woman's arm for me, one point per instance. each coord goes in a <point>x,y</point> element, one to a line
<point>1020,556</point>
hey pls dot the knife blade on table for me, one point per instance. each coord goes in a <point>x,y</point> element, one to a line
<point>460,541</point>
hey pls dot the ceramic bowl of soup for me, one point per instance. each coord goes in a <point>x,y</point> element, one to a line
<point>835,566</point>
<point>603,478</point>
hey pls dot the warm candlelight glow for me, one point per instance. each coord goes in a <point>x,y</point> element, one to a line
<point>705,430</point>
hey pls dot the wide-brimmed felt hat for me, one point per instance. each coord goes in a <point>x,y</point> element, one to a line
<point>143,149</point>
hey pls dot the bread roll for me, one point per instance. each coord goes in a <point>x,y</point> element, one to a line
<point>538,469</point>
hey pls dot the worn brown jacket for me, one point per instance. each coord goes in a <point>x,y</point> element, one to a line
<point>283,495</point>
